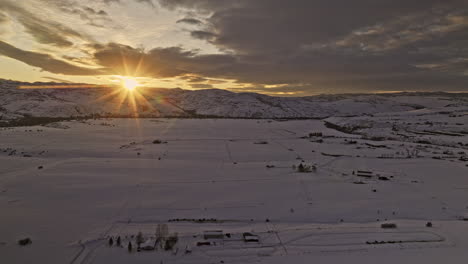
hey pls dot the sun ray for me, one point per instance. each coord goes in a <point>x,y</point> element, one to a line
<point>122,97</point>
<point>138,67</point>
<point>106,96</point>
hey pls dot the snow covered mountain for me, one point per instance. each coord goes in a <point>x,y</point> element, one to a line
<point>18,103</point>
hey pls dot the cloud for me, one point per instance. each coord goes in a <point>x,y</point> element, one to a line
<point>450,66</point>
<point>3,18</point>
<point>407,30</point>
<point>295,90</point>
<point>193,78</point>
<point>45,61</point>
<point>91,11</point>
<point>266,26</point>
<point>201,86</point>
<point>149,2</point>
<point>56,79</point>
<point>313,72</point>
<point>158,62</point>
<point>190,21</point>
<point>208,5</point>
<point>297,46</point>
<point>44,31</point>
<point>4,21</point>
<point>333,43</point>
<point>205,35</point>
<point>90,15</point>
<point>110,1</point>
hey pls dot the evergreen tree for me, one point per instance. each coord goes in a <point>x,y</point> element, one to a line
<point>139,239</point>
<point>129,246</point>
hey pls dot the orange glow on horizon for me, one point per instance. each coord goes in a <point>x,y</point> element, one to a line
<point>63,86</point>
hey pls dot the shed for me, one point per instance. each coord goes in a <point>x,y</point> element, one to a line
<point>362,173</point>
<point>316,134</point>
<point>249,237</point>
<point>213,234</point>
<point>188,249</point>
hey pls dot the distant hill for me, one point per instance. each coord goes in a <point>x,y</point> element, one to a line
<point>86,102</point>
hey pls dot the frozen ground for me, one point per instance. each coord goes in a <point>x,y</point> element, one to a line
<point>70,186</point>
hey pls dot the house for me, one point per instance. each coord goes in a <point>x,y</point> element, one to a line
<point>249,237</point>
<point>213,234</point>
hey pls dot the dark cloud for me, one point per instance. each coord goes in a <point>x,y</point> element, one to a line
<point>279,46</point>
<point>191,21</point>
<point>419,29</point>
<point>321,44</point>
<point>158,62</point>
<point>205,35</point>
<point>312,72</point>
<point>275,26</point>
<point>92,11</point>
<point>149,2</point>
<point>45,61</point>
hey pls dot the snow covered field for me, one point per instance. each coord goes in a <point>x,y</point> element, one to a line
<point>70,186</point>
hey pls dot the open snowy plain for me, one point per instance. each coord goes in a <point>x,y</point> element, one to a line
<point>70,186</point>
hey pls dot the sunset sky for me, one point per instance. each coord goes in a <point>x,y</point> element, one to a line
<point>278,47</point>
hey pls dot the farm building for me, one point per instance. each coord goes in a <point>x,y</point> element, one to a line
<point>213,234</point>
<point>465,217</point>
<point>316,134</point>
<point>388,225</point>
<point>363,173</point>
<point>188,249</point>
<point>249,237</point>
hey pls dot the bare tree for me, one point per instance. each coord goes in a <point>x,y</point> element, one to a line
<point>162,231</point>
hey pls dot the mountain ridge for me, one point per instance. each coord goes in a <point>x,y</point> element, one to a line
<point>161,102</point>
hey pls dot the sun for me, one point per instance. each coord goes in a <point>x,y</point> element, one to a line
<point>129,83</point>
